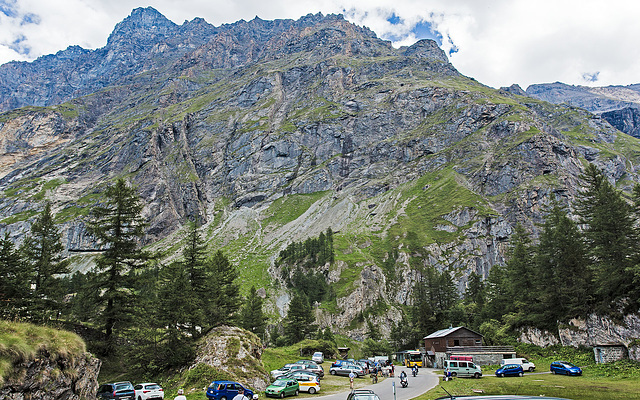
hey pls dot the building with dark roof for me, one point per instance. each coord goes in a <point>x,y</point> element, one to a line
<point>462,342</point>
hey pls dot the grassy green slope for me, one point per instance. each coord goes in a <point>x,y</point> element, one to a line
<point>23,341</point>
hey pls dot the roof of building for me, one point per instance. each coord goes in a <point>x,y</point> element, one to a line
<point>447,332</point>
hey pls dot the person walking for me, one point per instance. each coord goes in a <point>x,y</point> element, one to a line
<point>352,376</point>
<point>240,395</point>
<point>180,395</point>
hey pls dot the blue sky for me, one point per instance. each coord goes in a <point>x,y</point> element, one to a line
<point>497,42</point>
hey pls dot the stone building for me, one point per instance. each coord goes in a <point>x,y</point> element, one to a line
<point>609,352</point>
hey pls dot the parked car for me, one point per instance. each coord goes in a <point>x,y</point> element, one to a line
<point>117,391</point>
<point>346,369</point>
<point>362,394</point>
<point>312,366</point>
<point>148,391</point>
<point>339,363</point>
<point>226,390</point>
<point>462,368</point>
<point>510,370</point>
<point>283,387</point>
<point>564,368</point>
<point>296,374</point>
<point>318,357</point>
<point>526,364</point>
<point>286,369</point>
<point>308,382</point>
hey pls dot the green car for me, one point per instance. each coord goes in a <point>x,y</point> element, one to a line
<point>283,387</point>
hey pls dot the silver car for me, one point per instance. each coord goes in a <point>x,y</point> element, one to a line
<point>346,369</point>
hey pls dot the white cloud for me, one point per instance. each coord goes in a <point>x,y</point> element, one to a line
<point>499,42</point>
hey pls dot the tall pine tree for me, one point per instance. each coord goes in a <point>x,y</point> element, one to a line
<point>563,277</point>
<point>224,302</point>
<point>42,251</point>
<point>299,320</point>
<point>611,237</point>
<point>252,317</point>
<point>118,226</point>
<point>14,279</point>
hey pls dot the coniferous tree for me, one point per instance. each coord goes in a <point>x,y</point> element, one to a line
<point>199,290</point>
<point>223,302</point>
<point>14,279</point>
<point>401,335</point>
<point>176,308</point>
<point>42,251</point>
<point>300,320</point>
<point>563,277</point>
<point>373,332</point>
<point>520,275</point>
<point>611,238</point>
<point>251,317</point>
<point>118,226</point>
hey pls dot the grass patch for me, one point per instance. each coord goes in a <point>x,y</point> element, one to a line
<point>21,216</point>
<point>23,341</point>
<point>590,386</point>
<point>288,208</point>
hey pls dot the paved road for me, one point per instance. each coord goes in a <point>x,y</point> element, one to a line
<point>423,382</point>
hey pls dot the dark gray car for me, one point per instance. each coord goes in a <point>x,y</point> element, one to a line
<point>117,391</point>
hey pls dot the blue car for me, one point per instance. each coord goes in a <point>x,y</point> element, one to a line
<point>510,370</point>
<point>564,368</point>
<point>226,390</point>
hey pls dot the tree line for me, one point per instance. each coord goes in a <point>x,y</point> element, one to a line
<point>146,312</point>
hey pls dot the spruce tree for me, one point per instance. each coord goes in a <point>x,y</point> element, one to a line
<point>299,321</point>
<point>118,226</point>
<point>563,277</point>
<point>42,251</point>
<point>519,277</point>
<point>611,238</point>
<point>224,299</point>
<point>14,279</point>
<point>176,307</point>
<point>199,290</point>
<point>251,317</point>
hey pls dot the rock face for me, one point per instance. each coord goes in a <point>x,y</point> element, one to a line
<point>594,99</point>
<point>269,132</point>
<point>595,330</point>
<point>47,379</point>
<point>626,120</point>
<point>236,352</point>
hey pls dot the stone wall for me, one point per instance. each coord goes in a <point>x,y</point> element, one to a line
<point>605,354</point>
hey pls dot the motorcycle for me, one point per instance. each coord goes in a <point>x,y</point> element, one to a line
<point>414,372</point>
<point>403,382</point>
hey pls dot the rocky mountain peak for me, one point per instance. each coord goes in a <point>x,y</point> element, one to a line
<point>426,48</point>
<point>142,21</point>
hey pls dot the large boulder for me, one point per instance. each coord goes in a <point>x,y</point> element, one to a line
<point>236,352</point>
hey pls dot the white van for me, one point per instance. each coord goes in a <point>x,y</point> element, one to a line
<point>526,365</point>
<point>462,368</point>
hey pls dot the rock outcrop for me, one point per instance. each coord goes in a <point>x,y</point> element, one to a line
<point>48,378</point>
<point>236,352</point>
<point>595,330</point>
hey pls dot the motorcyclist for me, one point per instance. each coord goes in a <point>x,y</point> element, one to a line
<point>403,379</point>
<point>414,369</point>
